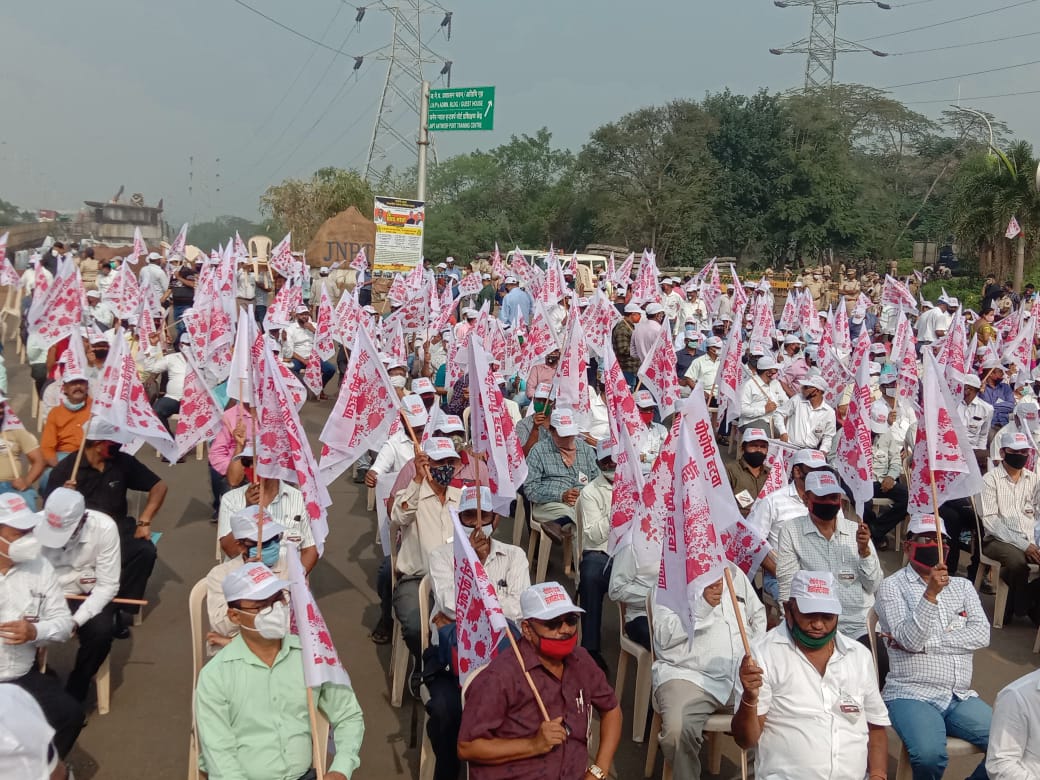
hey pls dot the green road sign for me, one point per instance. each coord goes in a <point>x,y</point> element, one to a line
<point>462,108</point>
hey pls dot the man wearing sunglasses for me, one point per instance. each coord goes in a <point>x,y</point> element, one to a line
<point>503,733</point>
<point>251,699</point>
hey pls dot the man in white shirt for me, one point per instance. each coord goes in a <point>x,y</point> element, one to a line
<point>154,277</point>
<point>672,303</point>
<point>761,395</point>
<point>725,307</point>
<point>175,367</point>
<point>34,613</point>
<point>83,547</point>
<point>245,284</point>
<point>809,698</point>
<point>693,310</point>
<point>595,566</point>
<point>299,340</point>
<point>977,416</point>
<point>805,420</point>
<point>888,478</point>
<point>283,504</point>
<point>705,368</point>
<point>646,331</point>
<point>1010,496</point>
<point>98,312</point>
<point>650,440</point>
<point>694,677</point>
<point>1014,742</point>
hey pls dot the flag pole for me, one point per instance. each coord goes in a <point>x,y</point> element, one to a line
<point>736,611</point>
<point>14,463</point>
<point>316,748</point>
<point>938,520</point>
<point>79,455</point>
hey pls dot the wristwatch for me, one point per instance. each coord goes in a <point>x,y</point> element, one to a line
<point>596,772</point>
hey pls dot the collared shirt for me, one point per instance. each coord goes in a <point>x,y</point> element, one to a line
<point>89,563</point>
<point>977,418</point>
<point>252,718</point>
<point>630,582</point>
<point>499,705</point>
<point>245,286</point>
<point>673,303</point>
<point>695,312</point>
<point>102,315</point>
<point>594,505</point>
<point>31,591</point>
<point>741,479</point>
<point>933,659</point>
<point>539,374</point>
<point>1009,508</point>
<point>1002,398</point>
<point>774,511</point>
<point>710,658</point>
<point>63,430</point>
<point>1013,426</point>
<point>803,547</point>
<point>299,341</point>
<point>516,304</point>
<point>703,370</point>
<point>1014,746</point>
<point>648,443</point>
<point>524,427</point>
<point>173,365</point>
<point>395,452</point>
<point>595,422</point>
<point>888,456</point>
<point>216,606</point>
<point>754,394</point>
<point>105,491</point>
<point>425,524</point>
<point>506,567</point>
<point>621,340</point>
<point>547,476</point>
<point>287,509</point>
<point>806,736</point>
<point>155,277</point>
<point>644,336</point>
<point>804,424</point>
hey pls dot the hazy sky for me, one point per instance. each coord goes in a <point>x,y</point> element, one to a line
<point>114,92</point>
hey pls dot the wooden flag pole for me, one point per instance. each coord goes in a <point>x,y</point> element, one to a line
<point>736,610</point>
<point>938,520</point>
<point>317,749</point>
<point>17,472</point>
<point>79,456</point>
<point>131,602</point>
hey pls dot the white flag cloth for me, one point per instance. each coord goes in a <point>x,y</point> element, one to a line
<point>200,416</point>
<point>479,621</point>
<point>1013,228</point>
<point>571,381</point>
<point>658,373</point>
<point>59,311</point>
<point>179,243</point>
<point>74,357</point>
<point>855,453</point>
<point>241,383</point>
<point>321,662</point>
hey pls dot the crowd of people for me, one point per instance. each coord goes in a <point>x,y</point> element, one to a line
<point>801,634</point>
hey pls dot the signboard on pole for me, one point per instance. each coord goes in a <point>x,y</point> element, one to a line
<point>399,234</point>
<point>462,108</point>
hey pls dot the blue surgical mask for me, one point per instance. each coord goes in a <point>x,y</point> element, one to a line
<point>71,406</point>
<point>270,552</point>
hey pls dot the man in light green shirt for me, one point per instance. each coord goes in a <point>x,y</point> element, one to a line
<point>251,699</point>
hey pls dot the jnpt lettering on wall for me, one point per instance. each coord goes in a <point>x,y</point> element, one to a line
<point>344,251</point>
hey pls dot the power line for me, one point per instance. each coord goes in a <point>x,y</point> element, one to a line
<point>975,97</point>
<point>963,45</point>
<point>343,135</point>
<point>289,29</point>
<point>962,75</point>
<point>941,24</point>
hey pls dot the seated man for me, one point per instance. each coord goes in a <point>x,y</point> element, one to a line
<point>595,565</point>
<point>650,439</point>
<point>790,672</point>
<point>933,624</point>
<point>236,431</point>
<point>1014,743</point>
<point>805,419</point>
<point>35,614</point>
<point>749,473</point>
<point>83,547</point>
<point>534,427</point>
<point>63,431</point>
<point>694,676</point>
<point>251,699</point>
<point>18,442</point>
<point>105,477</point>
<point>507,568</point>
<point>1010,495</point>
<point>502,725</point>
<point>244,530</point>
<point>300,340</point>
<point>888,478</point>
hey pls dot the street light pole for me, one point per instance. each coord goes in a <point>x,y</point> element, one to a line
<point>992,142</point>
<point>424,139</point>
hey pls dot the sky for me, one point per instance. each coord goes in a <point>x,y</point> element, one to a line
<point>205,103</point>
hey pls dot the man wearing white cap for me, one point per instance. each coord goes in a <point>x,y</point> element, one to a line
<point>300,339</point>
<point>531,427</point>
<point>824,541</point>
<point>809,697</point>
<point>887,454</point>
<point>693,310</point>
<point>544,373</point>
<point>558,468</point>
<point>694,676</point>
<point>1025,418</point>
<point>749,473</point>
<point>725,305</point>
<point>761,395</point>
<point>63,431</point>
<point>704,369</point>
<point>488,293</point>
<point>98,311</point>
<point>793,365</point>
<point>647,331</point>
<point>516,303</point>
<point>1010,495</point>
<point>977,416</point>
<point>650,439</point>
<point>672,302</point>
<point>805,419</point>
<point>932,624</point>
<point>621,341</point>
<point>503,733</point>
<point>35,614</point>
<point>251,699</point>
<point>466,325</point>
<point>244,524</point>
<point>83,547</point>
<point>507,569</point>
<point>153,276</point>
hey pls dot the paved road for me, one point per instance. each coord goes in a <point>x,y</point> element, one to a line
<point>146,732</point>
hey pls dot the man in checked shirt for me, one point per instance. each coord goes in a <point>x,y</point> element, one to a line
<point>932,623</point>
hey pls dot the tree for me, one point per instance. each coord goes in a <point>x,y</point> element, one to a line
<point>209,235</point>
<point>10,214</point>
<point>303,206</point>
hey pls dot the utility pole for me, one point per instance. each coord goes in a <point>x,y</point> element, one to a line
<point>823,45</point>
<point>424,139</point>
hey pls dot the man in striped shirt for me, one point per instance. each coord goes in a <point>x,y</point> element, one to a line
<point>1010,495</point>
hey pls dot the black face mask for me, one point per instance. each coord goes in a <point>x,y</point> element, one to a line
<point>754,459</point>
<point>824,511</point>
<point>926,555</point>
<point>1016,460</point>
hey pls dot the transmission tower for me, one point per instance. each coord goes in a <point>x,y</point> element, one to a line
<point>823,45</point>
<point>405,56</point>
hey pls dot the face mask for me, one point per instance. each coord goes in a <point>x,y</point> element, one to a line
<point>809,642</point>
<point>272,622</point>
<point>608,474</point>
<point>442,475</point>
<point>1016,460</point>
<point>557,649</point>
<point>824,511</point>
<point>926,555</point>
<point>646,415</point>
<point>754,459</point>
<point>551,361</point>
<point>487,529</point>
<point>101,354</point>
<point>270,552</point>
<point>71,406</point>
<point>398,381</point>
<point>539,407</point>
<point>23,549</point>
<point>890,392</point>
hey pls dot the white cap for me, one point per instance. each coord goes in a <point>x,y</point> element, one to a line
<point>511,280</point>
<point>992,365</point>
<point>422,385</point>
<point>543,390</point>
<point>252,582</point>
<point>1008,440</point>
<point>714,341</point>
<point>450,259</point>
<point>154,256</point>
<point>632,308</point>
<point>73,377</point>
<point>791,338</point>
<point>814,591</point>
<point>470,313</point>
<point>645,399</point>
<point>971,380</point>
<point>414,410</point>
<point>25,736</point>
<point>1027,410</point>
<point>653,309</point>
<point>450,423</point>
<point>93,294</point>
<point>605,448</point>
<point>874,368</point>
<point>563,421</point>
<point>817,381</point>
<point>767,364</point>
<point>244,522</point>
<point>442,265</point>
<point>877,418</point>
<point>370,309</point>
<point>823,483</point>
<point>877,349</point>
<point>953,303</point>
<point>62,512</point>
<point>583,303</point>
<point>545,601</point>
<point>301,309</point>
<point>468,499</point>
<point>754,434</point>
<point>247,452</point>
<point>485,276</point>
<point>440,448</point>
<point>100,430</point>
<point>923,524</point>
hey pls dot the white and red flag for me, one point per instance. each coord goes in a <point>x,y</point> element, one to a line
<point>74,358</point>
<point>621,405</point>
<point>491,429</point>
<point>199,418</point>
<point>658,373</point>
<point>855,453</point>
<point>470,285</point>
<point>59,311</point>
<point>904,358</point>
<point>626,498</point>
<point>8,276</point>
<point>480,623</point>
<point>895,293</point>
<point>360,261</point>
<point>179,244</point>
<point>789,315</point>
<point>571,381</point>
<point>541,338</point>
<point>841,336</point>
<point>623,275</point>
<point>599,320</point>
<point>777,471</point>
<point>740,296</point>
<point>140,247</point>
<point>711,288</point>
<point>730,373</point>
<point>281,260</point>
<point>242,381</point>
<point>321,662</point>
<point>124,293</point>
<point>366,409</point>
<point>745,546</point>
<point>1013,228</point>
<point>323,341</point>
<point>646,288</point>
<point>398,292</point>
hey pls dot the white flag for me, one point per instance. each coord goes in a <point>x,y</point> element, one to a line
<point>321,662</point>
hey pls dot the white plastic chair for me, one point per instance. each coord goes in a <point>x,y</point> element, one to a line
<point>542,542</point>
<point>398,649</point>
<point>196,615</point>
<point>644,680</point>
<point>102,680</point>
<point>519,520</point>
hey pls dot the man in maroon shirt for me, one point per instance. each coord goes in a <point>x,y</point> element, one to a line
<point>503,733</point>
